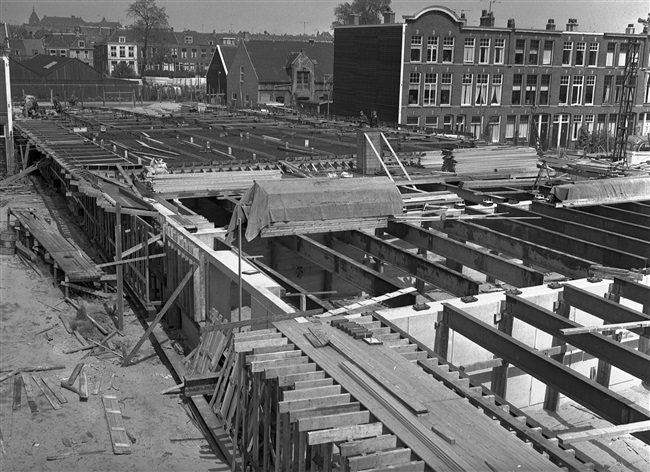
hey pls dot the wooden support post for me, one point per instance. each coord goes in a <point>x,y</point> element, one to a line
<point>552,396</point>
<point>159,316</point>
<point>119,269</point>
<point>441,342</point>
<point>499,383</point>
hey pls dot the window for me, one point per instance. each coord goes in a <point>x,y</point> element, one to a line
<point>580,53</point>
<point>484,51</point>
<point>517,80</point>
<point>499,50</point>
<point>589,121</point>
<point>432,49</point>
<point>53,51</point>
<point>85,54</point>
<point>121,39</point>
<point>445,89</point>
<point>189,40</point>
<point>564,90</point>
<point>609,58</point>
<point>533,52</point>
<point>607,89</point>
<point>523,127</point>
<point>62,53</point>
<point>544,89</point>
<point>416,48</point>
<point>430,89</point>
<point>131,51</point>
<point>241,73</point>
<point>497,86</point>
<point>448,49</point>
<point>475,127</point>
<point>466,89</point>
<point>174,53</point>
<point>566,53</point>
<point>482,81</point>
<point>122,51</point>
<point>510,126</point>
<point>82,44</point>
<point>577,124</point>
<point>646,95</point>
<point>193,53</point>
<point>447,122</point>
<point>520,46</point>
<point>183,53</point>
<point>531,90</point>
<point>622,55</point>
<point>234,96</point>
<point>468,54</point>
<point>203,53</point>
<point>414,88</point>
<point>576,90</point>
<point>590,90</point>
<point>593,55</point>
<point>618,90</point>
<point>431,121</point>
<point>547,57</point>
<point>412,120</point>
<point>302,79</point>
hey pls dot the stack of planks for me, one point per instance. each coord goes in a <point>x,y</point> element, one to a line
<point>286,228</point>
<point>520,161</point>
<point>173,185</point>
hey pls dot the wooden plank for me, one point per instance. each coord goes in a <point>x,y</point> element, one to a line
<point>293,369</point>
<point>413,466</point>
<point>608,432</point>
<point>261,366</point>
<point>291,379</point>
<point>333,421</point>
<point>302,384</point>
<point>295,415</point>
<point>247,346</point>
<point>116,429</point>
<point>56,390</point>
<point>380,459</point>
<point>365,446</point>
<point>608,327</point>
<point>346,433</point>
<point>304,393</point>
<point>18,388</point>
<point>314,402</point>
<point>272,356</point>
<point>50,397</point>
<point>29,392</point>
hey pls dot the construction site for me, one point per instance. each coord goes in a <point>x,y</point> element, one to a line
<point>300,293</point>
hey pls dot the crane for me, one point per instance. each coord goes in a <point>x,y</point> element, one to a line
<point>625,117</point>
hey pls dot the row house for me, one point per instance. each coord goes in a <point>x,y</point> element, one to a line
<point>258,72</point>
<point>435,71</point>
<point>69,45</point>
<point>121,46</point>
<point>24,49</point>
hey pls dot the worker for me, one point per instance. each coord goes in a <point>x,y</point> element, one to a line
<point>56,104</point>
<point>374,121</point>
<point>363,120</point>
<point>31,106</point>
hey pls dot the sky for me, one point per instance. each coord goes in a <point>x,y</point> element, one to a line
<point>312,16</point>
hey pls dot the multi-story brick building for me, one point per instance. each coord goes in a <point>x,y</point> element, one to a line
<point>121,46</point>
<point>69,45</point>
<point>435,71</point>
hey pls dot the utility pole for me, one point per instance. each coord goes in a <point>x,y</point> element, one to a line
<point>304,24</point>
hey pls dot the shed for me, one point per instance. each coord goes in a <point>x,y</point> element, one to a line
<point>283,207</point>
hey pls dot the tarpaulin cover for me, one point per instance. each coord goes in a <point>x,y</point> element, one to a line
<point>290,200</point>
<point>595,192</point>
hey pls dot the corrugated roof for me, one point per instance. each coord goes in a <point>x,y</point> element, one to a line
<point>270,57</point>
<point>44,64</point>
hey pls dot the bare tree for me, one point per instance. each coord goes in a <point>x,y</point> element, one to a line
<point>369,11</point>
<point>149,18</point>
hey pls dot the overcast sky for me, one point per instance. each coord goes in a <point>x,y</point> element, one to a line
<point>311,16</point>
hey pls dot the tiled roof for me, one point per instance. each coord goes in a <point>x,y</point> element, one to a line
<point>270,57</point>
<point>61,21</point>
<point>26,46</point>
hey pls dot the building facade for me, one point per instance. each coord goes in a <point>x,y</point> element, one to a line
<point>435,71</point>
<point>69,45</point>
<point>121,46</point>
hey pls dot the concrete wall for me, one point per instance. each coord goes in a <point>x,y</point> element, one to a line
<point>523,390</point>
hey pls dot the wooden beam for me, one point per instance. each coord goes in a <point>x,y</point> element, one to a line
<point>333,421</point>
<point>375,460</point>
<point>484,262</point>
<point>128,261</point>
<point>602,401</point>
<point>429,271</point>
<point>364,446</point>
<point>137,247</point>
<point>159,316</point>
<point>18,176</point>
<point>345,433</point>
<point>601,328</point>
<point>119,271</point>
<point>357,274</point>
<point>608,432</point>
<point>632,290</point>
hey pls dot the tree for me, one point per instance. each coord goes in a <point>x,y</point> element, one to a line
<point>149,18</point>
<point>369,12</point>
<point>646,24</point>
<point>123,71</point>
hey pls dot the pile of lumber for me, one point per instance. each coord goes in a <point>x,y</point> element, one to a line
<point>483,160</point>
<point>175,184</point>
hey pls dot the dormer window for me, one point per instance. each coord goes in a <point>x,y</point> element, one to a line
<point>82,44</point>
<point>211,43</point>
<point>121,39</point>
<point>189,39</point>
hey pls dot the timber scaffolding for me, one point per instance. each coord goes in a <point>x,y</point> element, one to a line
<point>378,420</point>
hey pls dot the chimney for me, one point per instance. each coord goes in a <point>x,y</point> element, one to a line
<point>550,25</point>
<point>355,19</point>
<point>629,29</point>
<point>389,16</point>
<point>511,23</point>
<point>572,25</point>
<point>487,18</point>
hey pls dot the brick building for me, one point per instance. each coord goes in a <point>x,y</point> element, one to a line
<point>435,71</point>
<point>121,46</point>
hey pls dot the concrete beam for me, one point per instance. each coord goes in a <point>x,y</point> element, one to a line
<point>429,271</point>
<point>632,290</point>
<point>509,272</point>
<point>600,346</point>
<point>601,254</point>
<point>611,406</point>
<point>360,276</point>
<point>531,253</point>
<point>608,238</point>
<point>617,213</point>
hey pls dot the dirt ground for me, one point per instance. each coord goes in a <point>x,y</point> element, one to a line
<point>166,438</point>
